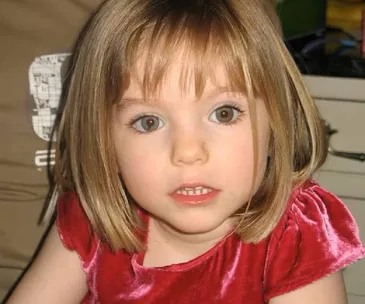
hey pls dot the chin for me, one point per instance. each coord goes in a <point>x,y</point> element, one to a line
<point>196,225</point>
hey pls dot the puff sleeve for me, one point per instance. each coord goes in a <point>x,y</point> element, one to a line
<point>74,228</point>
<point>316,236</point>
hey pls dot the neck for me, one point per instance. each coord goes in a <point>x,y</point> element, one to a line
<point>192,239</point>
<point>177,246</point>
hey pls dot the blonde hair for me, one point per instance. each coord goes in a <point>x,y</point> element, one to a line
<point>239,34</point>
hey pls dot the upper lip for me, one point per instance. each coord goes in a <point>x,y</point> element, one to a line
<point>192,185</point>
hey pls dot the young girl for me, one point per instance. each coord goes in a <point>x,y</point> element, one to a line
<point>185,155</point>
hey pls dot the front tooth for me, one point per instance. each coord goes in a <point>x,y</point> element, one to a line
<point>205,191</point>
<point>194,191</point>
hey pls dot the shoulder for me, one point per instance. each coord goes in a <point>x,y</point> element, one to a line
<point>316,236</point>
<point>74,227</point>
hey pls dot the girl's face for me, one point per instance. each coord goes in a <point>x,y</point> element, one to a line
<point>189,162</point>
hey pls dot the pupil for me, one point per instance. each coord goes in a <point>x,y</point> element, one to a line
<point>149,123</point>
<point>225,115</point>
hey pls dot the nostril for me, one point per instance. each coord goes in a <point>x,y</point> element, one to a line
<point>188,152</point>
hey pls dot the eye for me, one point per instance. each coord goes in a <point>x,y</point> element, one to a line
<point>226,114</point>
<point>147,124</point>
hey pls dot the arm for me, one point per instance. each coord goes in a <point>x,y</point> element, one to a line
<point>328,290</point>
<point>54,277</point>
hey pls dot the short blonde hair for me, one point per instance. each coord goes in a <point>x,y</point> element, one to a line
<point>239,34</point>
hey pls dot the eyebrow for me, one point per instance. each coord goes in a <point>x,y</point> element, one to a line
<point>127,102</point>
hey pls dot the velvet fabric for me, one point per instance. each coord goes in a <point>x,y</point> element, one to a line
<point>315,237</point>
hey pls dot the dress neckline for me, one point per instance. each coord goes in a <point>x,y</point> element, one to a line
<point>138,257</point>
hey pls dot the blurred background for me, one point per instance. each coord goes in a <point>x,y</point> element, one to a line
<point>325,37</point>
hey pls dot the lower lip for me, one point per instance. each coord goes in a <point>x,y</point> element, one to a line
<point>194,199</point>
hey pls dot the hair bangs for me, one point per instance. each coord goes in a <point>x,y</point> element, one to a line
<point>198,45</point>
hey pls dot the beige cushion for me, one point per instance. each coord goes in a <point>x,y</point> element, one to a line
<point>28,30</point>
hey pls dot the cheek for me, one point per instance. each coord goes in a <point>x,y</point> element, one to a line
<point>235,157</point>
<point>139,167</point>
<point>238,158</point>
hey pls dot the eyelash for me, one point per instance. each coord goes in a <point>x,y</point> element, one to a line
<point>231,105</point>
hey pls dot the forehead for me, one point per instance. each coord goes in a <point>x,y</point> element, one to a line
<point>179,79</point>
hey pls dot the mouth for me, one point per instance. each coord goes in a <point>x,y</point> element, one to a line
<point>194,194</point>
<point>199,190</point>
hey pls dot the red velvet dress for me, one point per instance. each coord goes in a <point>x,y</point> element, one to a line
<point>315,237</point>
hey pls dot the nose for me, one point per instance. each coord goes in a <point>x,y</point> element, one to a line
<point>189,148</point>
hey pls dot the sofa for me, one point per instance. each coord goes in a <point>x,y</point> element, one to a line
<point>36,37</point>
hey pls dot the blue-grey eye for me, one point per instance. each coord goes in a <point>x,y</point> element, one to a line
<point>148,124</point>
<point>225,114</point>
